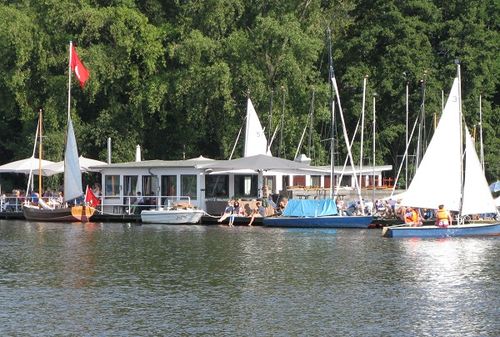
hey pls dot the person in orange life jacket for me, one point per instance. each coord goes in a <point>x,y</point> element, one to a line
<point>443,217</point>
<point>412,217</point>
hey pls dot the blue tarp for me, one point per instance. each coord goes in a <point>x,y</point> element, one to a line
<point>310,208</point>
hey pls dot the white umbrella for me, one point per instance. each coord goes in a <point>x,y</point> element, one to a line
<point>259,163</point>
<point>24,166</point>
<point>85,163</point>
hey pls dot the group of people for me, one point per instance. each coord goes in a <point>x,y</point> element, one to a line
<point>412,217</point>
<point>261,209</point>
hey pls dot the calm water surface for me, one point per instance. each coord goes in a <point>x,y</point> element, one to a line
<point>125,280</point>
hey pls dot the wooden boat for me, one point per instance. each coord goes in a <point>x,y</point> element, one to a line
<point>72,174</point>
<point>65,214</point>
<point>443,179</point>
<point>303,213</point>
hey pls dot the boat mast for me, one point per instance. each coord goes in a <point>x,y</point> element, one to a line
<point>270,136</point>
<point>40,155</point>
<point>362,131</point>
<point>346,136</point>
<point>460,218</point>
<point>332,108</point>
<point>281,146</point>
<point>481,148</point>
<point>311,121</point>
<point>406,147</point>
<point>373,151</point>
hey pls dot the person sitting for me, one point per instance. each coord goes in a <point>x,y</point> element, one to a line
<point>258,211</point>
<point>237,211</point>
<point>137,203</point>
<point>281,206</point>
<point>443,217</point>
<point>227,211</point>
<point>412,218</point>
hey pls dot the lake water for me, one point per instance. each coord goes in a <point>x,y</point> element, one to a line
<point>116,279</point>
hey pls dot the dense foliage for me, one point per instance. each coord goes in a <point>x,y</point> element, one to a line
<point>173,75</point>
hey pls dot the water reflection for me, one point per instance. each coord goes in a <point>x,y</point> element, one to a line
<point>123,279</point>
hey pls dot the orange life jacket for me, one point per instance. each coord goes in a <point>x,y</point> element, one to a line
<point>442,214</point>
<point>411,217</point>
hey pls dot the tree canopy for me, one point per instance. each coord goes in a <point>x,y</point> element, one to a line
<point>173,76</point>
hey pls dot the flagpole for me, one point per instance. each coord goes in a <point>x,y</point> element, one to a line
<point>69,78</point>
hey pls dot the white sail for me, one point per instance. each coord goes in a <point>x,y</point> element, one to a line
<point>438,178</point>
<point>255,139</point>
<point>72,173</point>
<point>477,196</point>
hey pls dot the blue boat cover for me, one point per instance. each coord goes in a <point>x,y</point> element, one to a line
<point>310,208</point>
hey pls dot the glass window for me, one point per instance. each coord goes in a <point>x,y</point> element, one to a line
<point>130,185</point>
<point>188,186</point>
<point>315,181</point>
<point>149,188</point>
<point>112,185</point>
<point>216,186</point>
<point>245,186</point>
<point>299,180</point>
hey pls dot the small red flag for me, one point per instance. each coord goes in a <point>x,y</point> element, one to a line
<point>77,66</point>
<point>90,198</point>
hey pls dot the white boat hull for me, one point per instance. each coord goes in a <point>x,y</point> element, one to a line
<point>179,216</point>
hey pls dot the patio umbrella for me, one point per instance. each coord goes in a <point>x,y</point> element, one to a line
<point>24,166</point>
<point>259,163</point>
<point>85,164</point>
<point>495,187</point>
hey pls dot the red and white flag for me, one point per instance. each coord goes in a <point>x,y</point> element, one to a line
<point>77,66</point>
<point>90,198</point>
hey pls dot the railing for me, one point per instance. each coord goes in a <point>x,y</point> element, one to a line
<point>11,204</point>
<point>135,204</point>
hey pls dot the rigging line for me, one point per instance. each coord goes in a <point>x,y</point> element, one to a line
<point>237,138</point>
<point>405,155</point>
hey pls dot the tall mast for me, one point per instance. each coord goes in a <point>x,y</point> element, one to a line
<point>362,131</point>
<point>407,114</point>
<point>332,108</point>
<point>346,138</point>
<point>282,122</point>
<point>270,124</point>
<point>481,148</point>
<point>311,121</point>
<point>69,78</point>
<point>460,219</point>
<point>40,154</point>
<point>373,150</point>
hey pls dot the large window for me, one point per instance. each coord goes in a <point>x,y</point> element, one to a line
<point>112,185</point>
<point>188,186</point>
<point>169,188</point>
<point>150,189</point>
<point>130,185</point>
<point>216,186</point>
<point>299,181</point>
<point>269,185</point>
<point>245,186</point>
<point>315,181</point>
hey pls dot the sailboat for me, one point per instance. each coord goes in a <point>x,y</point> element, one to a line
<point>443,179</point>
<point>72,174</point>
<point>303,213</point>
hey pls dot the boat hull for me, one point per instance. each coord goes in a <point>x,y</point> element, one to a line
<point>474,229</point>
<point>65,214</point>
<point>171,216</point>
<point>333,221</point>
